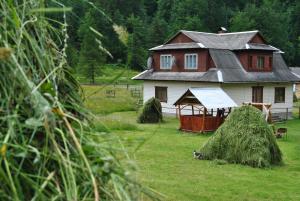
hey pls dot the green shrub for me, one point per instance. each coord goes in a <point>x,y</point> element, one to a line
<point>244,138</point>
<point>151,112</point>
<point>295,98</point>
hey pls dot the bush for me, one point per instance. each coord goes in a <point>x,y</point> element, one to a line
<point>244,138</point>
<point>295,98</point>
<point>151,112</point>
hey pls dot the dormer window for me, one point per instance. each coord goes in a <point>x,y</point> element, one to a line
<point>190,61</point>
<point>260,62</point>
<point>165,61</point>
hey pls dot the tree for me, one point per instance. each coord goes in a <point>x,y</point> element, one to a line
<point>216,15</point>
<point>157,32</point>
<point>295,33</point>
<point>272,19</point>
<point>187,14</point>
<point>91,56</point>
<point>137,52</point>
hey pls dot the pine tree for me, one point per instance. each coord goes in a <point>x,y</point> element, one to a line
<point>137,52</point>
<point>91,56</point>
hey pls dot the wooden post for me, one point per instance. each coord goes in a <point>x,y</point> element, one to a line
<point>193,110</point>
<point>203,120</point>
<point>287,114</point>
<point>179,115</point>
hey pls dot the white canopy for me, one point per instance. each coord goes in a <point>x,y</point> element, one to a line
<point>211,98</point>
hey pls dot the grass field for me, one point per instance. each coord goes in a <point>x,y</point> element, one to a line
<point>111,74</point>
<point>164,157</point>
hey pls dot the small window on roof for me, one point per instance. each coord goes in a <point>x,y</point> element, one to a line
<point>260,62</point>
<point>165,61</point>
<point>190,61</point>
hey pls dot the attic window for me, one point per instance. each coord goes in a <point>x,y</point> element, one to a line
<point>260,62</point>
<point>190,61</point>
<point>165,61</point>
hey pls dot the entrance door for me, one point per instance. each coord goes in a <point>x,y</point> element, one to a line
<point>257,94</point>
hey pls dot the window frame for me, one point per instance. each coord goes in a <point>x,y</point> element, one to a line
<point>258,62</point>
<point>161,99</point>
<point>185,61</point>
<point>161,62</point>
<point>255,93</point>
<point>276,98</point>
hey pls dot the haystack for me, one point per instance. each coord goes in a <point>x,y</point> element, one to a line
<point>244,138</point>
<point>151,112</point>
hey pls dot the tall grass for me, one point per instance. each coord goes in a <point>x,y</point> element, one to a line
<point>48,150</point>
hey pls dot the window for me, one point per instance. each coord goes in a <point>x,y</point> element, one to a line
<point>279,95</point>
<point>166,61</point>
<point>190,61</point>
<point>260,62</point>
<point>257,94</point>
<point>161,93</point>
<point>250,62</point>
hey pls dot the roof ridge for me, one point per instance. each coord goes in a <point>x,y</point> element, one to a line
<point>219,34</point>
<point>239,32</point>
<point>199,32</point>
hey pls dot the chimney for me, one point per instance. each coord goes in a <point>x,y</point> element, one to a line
<point>222,30</point>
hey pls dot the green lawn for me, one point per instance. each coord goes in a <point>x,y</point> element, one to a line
<point>112,74</point>
<point>164,157</point>
<point>99,103</point>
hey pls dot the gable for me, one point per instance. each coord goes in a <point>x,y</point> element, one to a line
<point>180,38</point>
<point>258,39</point>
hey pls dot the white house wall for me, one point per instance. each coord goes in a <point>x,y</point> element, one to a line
<point>238,92</point>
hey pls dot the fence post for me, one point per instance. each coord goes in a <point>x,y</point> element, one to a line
<point>299,112</point>
<point>287,114</point>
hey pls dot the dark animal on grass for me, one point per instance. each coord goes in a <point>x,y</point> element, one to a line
<point>198,155</point>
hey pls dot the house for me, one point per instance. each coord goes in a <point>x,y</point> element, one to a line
<point>242,64</point>
<point>296,71</point>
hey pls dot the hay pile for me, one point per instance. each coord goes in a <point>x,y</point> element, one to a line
<point>48,148</point>
<point>151,112</point>
<point>244,138</point>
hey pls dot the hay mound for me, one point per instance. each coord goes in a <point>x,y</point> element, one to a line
<point>151,112</point>
<point>244,138</point>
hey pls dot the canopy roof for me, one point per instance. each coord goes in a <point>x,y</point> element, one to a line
<point>210,98</point>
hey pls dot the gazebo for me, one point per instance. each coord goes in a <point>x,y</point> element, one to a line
<point>203,109</point>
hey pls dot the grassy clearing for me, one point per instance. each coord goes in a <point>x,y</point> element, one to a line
<point>164,156</point>
<point>166,163</point>
<point>109,74</point>
<point>100,103</point>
